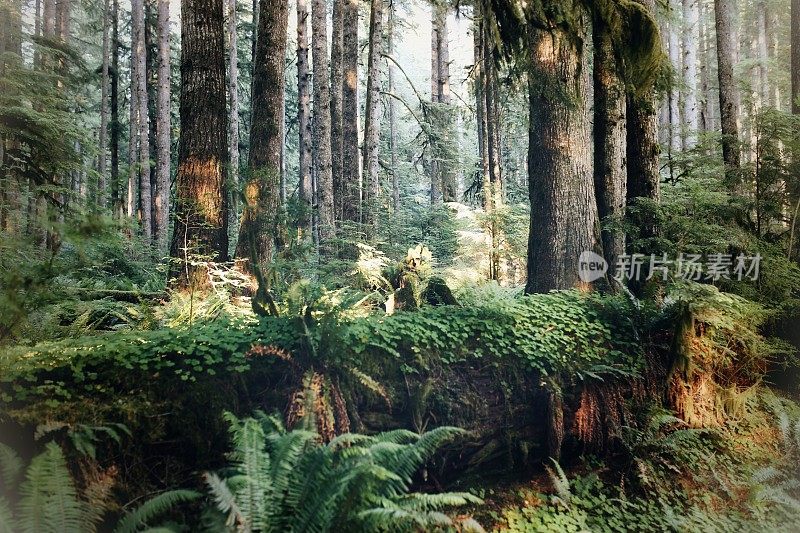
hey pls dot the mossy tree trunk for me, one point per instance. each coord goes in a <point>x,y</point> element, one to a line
<point>102,150</point>
<point>114,125</point>
<point>441,114</point>
<point>642,148</point>
<point>727,45</point>
<point>161,202</point>
<point>304,118</point>
<point>337,31</point>
<point>261,231</point>
<point>691,40</point>
<point>563,207</point>
<point>610,164</point>
<point>143,209</point>
<point>201,217</point>
<point>322,125</point>
<point>233,122</point>
<point>351,167</point>
<point>372,119</point>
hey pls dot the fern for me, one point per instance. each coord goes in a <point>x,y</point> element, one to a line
<point>152,508</point>
<point>6,517</point>
<point>560,483</point>
<point>48,498</point>
<point>290,481</point>
<point>10,465</point>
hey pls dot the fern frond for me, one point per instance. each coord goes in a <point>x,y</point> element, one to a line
<point>48,498</point>
<point>10,465</point>
<point>560,481</point>
<point>255,464</point>
<point>369,383</point>
<point>46,428</point>
<point>470,525</point>
<point>225,500</point>
<point>398,436</point>
<point>778,496</point>
<point>419,501</point>
<point>152,508</point>
<point>765,475</point>
<point>6,517</point>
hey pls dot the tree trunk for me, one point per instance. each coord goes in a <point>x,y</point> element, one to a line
<point>480,107</point>
<point>492,108</point>
<point>116,189</point>
<point>795,56</point>
<point>392,112</point>
<point>151,86</point>
<point>139,85</point>
<point>691,17</point>
<point>675,125</point>
<point>438,22</point>
<point>337,83</point>
<point>322,125</point>
<point>642,148</point>
<point>763,54</point>
<point>261,230</point>
<point>443,142</point>
<point>351,193</point>
<point>200,217</point>
<point>102,151</point>
<point>610,166</point>
<point>487,171</point>
<point>706,107</point>
<point>727,43</point>
<point>563,208</point>
<point>233,122</point>
<point>62,22</point>
<point>372,124</point>
<point>163,129</point>
<point>304,116</point>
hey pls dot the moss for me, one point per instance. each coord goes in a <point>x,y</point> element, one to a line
<point>438,293</point>
<point>634,31</point>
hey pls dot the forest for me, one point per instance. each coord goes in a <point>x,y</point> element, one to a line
<point>399,265</point>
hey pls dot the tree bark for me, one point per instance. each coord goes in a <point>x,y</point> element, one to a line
<point>706,107</point>
<point>443,142</point>
<point>261,230</point>
<point>481,112</point>
<point>102,141</point>
<point>642,149</point>
<point>392,112</point>
<point>675,125</point>
<point>492,108</point>
<point>322,125</point>
<point>563,208</point>
<point>233,121</point>
<point>200,217</point>
<point>727,43</point>
<point>114,126</point>
<point>139,86</point>
<point>691,17</point>
<point>763,54</point>
<point>351,193</point>
<point>337,84</point>
<point>304,116</point>
<point>795,56</point>
<point>610,165</point>
<point>372,120</point>
<point>163,128</point>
